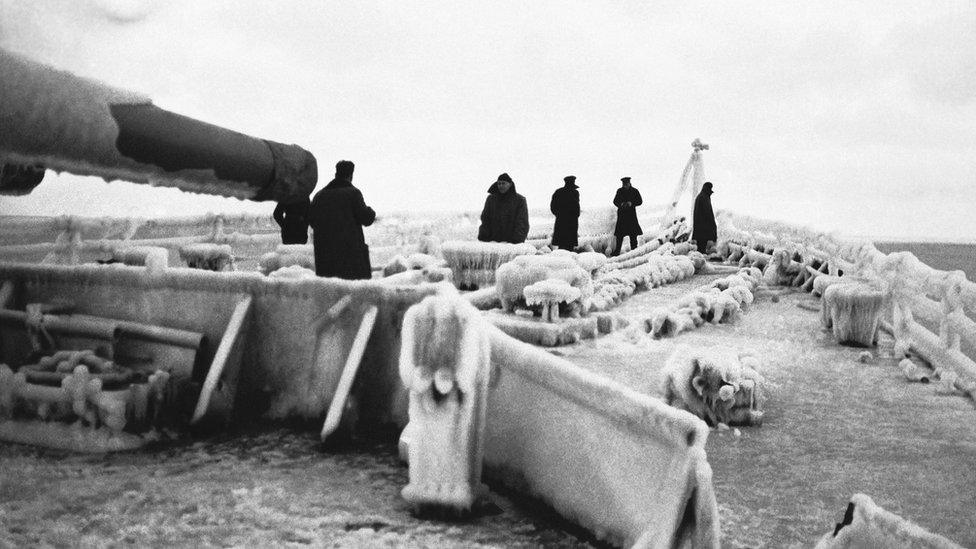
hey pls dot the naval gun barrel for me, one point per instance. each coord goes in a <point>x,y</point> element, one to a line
<point>56,120</point>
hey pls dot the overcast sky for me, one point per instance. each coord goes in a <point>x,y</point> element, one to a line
<point>853,116</point>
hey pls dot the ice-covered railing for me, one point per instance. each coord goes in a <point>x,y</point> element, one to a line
<point>76,239</point>
<point>930,311</point>
<point>73,239</point>
<point>408,230</point>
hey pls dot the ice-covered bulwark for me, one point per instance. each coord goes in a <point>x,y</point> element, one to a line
<point>282,372</point>
<point>868,526</point>
<point>622,464</point>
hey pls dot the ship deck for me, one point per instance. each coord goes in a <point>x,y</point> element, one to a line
<point>833,427</point>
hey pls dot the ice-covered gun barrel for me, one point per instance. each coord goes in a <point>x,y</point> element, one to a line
<point>51,119</point>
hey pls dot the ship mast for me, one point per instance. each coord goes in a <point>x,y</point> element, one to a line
<point>693,173</point>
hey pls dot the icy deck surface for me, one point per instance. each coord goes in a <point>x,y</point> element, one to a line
<point>833,426</point>
<point>277,488</point>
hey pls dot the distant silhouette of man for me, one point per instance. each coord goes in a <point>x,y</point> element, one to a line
<point>626,200</point>
<point>293,220</point>
<point>337,215</point>
<point>565,205</point>
<point>704,230</point>
<point>505,217</point>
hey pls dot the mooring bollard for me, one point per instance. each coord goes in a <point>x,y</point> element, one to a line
<point>444,362</point>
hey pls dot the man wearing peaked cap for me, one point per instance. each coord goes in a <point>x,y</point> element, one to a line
<point>505,217</point>
<point>626,200</point>
<point>565,205</point>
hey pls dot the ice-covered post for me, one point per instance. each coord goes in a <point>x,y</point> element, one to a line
<point>951,308</point>
<point>550,293</point>
<point>218,229</point>
<point>444,362</point>
<point>901,312</point>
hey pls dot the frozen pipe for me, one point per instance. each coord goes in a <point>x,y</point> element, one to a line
<point>113,379</point>
<point>151,332</point>
<point>63,122</point>
<point>107,329</point>
<point>66,325</point>
<point>928,346</point>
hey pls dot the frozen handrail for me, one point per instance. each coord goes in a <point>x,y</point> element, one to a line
<point>906,279</point>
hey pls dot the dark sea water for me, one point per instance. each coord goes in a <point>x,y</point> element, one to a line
<point>938,255</point>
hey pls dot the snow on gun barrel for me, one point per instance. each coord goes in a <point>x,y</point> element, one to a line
<point>54,119</point>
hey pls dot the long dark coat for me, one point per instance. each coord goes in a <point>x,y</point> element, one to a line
<point>627,215</point>
<point>565,205</point>
<point>704,223</point>
<point>505,217</point>
<point>293,220</point>
<point>337,216</point>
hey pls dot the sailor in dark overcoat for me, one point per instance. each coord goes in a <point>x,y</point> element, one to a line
<point>626,200</point>
<point>704,230</point>
<point>337,216</point>
<point>293,220</point>
<point>565,205</point>
<point>505,217</point>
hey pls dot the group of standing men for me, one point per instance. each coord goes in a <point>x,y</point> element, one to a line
<point>505,217</point>
<point>338,213</point>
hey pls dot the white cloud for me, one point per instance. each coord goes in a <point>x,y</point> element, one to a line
<point>807,105</point>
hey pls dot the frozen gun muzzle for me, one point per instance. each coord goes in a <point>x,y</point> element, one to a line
<point>56,120</point>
